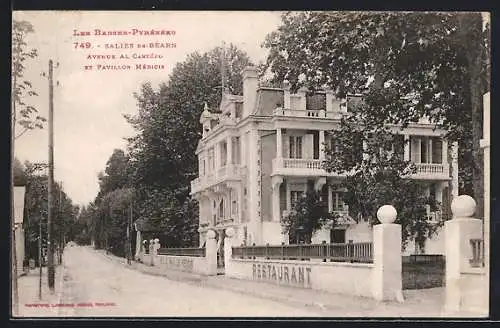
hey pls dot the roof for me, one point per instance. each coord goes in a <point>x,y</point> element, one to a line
<point>19,192</point>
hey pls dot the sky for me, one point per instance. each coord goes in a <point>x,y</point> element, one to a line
<point>89,104</point>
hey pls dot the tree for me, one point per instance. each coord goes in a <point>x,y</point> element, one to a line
<point>22,113</point>
<point>20,90</point>
<point>162,154</point>
<point>406,65</point>
<point>116,174</point>
<point>309,214</point>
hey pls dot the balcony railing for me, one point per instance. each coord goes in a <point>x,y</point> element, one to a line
<point>232,171</point>
<point>350,252</point>
<point>430,168</point>
<point>196,252</point>
<point>299,113</point>
<point>435,216</point>
<point>477,247</point>
<point>300,163</point>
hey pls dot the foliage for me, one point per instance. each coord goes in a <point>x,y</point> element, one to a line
<point>36,210</point>
<point>163,153</point>
<point>309,214</point>
<point>406,65</point>
<point>22,113</point>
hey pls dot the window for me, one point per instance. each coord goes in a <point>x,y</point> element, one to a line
<point>338,201</point>
<point>238,110</point>
<point>337,236</point>
<point>294,197</point>
<point>234,203</point>
<point>236,151</point>
<point>437,151</point>
<point>295,147</point>
<point>223,153</point>
<point>221,209</point>
<point>211,163</point>
<point>334,145</point>
<point>427,150</point>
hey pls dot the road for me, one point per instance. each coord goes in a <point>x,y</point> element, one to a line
<point>99,286</point>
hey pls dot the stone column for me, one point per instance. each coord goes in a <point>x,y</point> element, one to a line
<point>458,232</point>
<point>321,145</point>
<point>229,154</point>
<point>211,254</point>
<point>138,245</point>
<point>228,250</point>
<point>387,263</point>
<point>303,101</point>
<point>454,169</point>
<point>444,150</point>
<point>406,147</point>
<point>286,98</point>
<point>151,252</point>
<point>276,183</point>
<point>485,144</point>
<point>279,146</point>
<point>329,101</point>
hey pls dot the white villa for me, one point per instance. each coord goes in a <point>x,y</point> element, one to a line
<point>260,153</point>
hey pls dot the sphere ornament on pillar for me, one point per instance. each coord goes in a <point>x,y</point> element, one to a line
<point>230,232</point>
<point>211,234</point>
<point>463,206</point>
<point>387,214</point>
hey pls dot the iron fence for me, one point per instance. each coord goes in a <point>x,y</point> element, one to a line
<point>195,252</point>
<point>423,258</point>
<point>335,252</point>
<point>477,247</point>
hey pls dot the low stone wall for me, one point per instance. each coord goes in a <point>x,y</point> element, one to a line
<point>199,265</point>
<point>206,265</point>
<point>474,297</point>
<point>145,258</point>
<point>467,287</point>
<point>336,277</point>
<point>380,280</point>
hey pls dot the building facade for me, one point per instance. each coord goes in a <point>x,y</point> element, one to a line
<point>262,150</point>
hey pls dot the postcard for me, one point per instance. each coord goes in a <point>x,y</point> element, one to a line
<point>250,164</point>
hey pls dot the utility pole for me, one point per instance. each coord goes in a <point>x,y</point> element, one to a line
<point>50,243</point>
<point>129,235</point>
<point>40,260</point>
<point>15,298</point>
<point>61,219</point>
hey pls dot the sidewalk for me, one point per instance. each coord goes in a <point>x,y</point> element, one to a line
<point>418,303</point>
<point>29,303</point>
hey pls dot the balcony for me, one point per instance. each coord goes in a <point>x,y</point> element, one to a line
<point>308,113</point>
<point>299,167</point>
<point>224,173</point>
<point>313,167</point>
<point>434,217</point>
<point>431,171</point>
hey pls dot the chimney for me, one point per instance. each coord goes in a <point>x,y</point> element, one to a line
<point>250,85</point>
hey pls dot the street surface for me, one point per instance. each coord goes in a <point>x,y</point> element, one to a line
<point>97,286</point>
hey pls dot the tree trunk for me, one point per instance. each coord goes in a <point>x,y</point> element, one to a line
<point>470,26</point>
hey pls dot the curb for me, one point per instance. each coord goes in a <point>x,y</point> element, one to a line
<point>210,282</point>
<point>206,282</point>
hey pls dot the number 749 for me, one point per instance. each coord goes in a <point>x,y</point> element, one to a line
<point>83,45</point>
